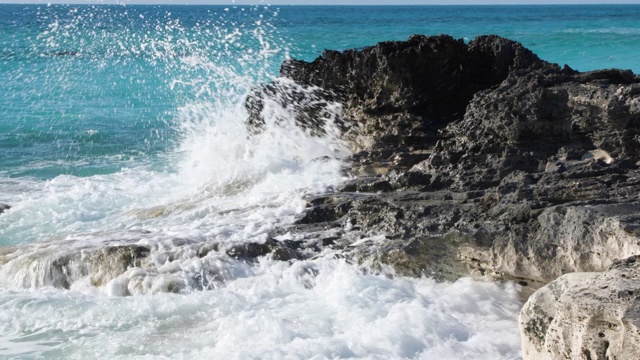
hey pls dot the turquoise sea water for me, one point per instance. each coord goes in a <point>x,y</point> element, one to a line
<point>124,125</point>
<point>90,89</point>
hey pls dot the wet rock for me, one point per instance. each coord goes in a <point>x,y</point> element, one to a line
<point>176,265</point>
<point>60,268</point>
<point>585,315</point>
<point>277,103</point>
<point>4,207</point>
<point>367,184</point>
<point>421,255</point>
<point>278,250</point>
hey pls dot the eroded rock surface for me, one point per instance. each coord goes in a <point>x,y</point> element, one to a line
<point>4,207</point>
<point>585,316</point>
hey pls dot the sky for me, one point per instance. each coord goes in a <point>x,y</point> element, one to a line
<point>332,2</point>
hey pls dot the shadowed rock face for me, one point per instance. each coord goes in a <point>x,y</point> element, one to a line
<point>474,158</point>
<point>4,207</point>
<point>411,88</point>
<point>432,77</point>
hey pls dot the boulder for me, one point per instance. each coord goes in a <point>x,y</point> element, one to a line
<point>585,316</point>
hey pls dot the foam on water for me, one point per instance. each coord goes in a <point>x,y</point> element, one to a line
<point>76,247</point>
<point>309,310</point>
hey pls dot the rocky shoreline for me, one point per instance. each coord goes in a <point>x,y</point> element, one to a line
<point>482,159</point>
<point>469,159</point>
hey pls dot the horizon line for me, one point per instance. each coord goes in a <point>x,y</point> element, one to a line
<point>126,3</point>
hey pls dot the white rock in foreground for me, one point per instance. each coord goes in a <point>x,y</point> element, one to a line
<point>585,316</point>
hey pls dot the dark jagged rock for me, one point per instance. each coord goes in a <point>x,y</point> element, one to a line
<point>514,143</point>
<point>279,250</point>
<point>411,88</point>
<point>4,207</point>
<point>474,158</point>
<point>311,107</point>
<point>432,77</point>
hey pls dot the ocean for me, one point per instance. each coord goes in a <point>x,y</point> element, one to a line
<point>123,127</point>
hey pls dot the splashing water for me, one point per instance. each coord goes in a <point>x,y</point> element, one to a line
<point>220,183</point>
<point>142,175</point>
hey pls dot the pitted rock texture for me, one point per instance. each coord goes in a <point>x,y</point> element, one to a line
<point>585,316</point>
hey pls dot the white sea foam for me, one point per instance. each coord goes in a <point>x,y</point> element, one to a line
<point>604,31</point>
<point>230,187</point>
<point>61,297</point>
<point>309,310</point>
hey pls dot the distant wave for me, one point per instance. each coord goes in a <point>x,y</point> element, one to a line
<point>617,31</point>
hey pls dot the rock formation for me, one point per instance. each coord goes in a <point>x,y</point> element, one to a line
<point>475,158</point>
<point>4,207</point>
<point>585,316</point>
